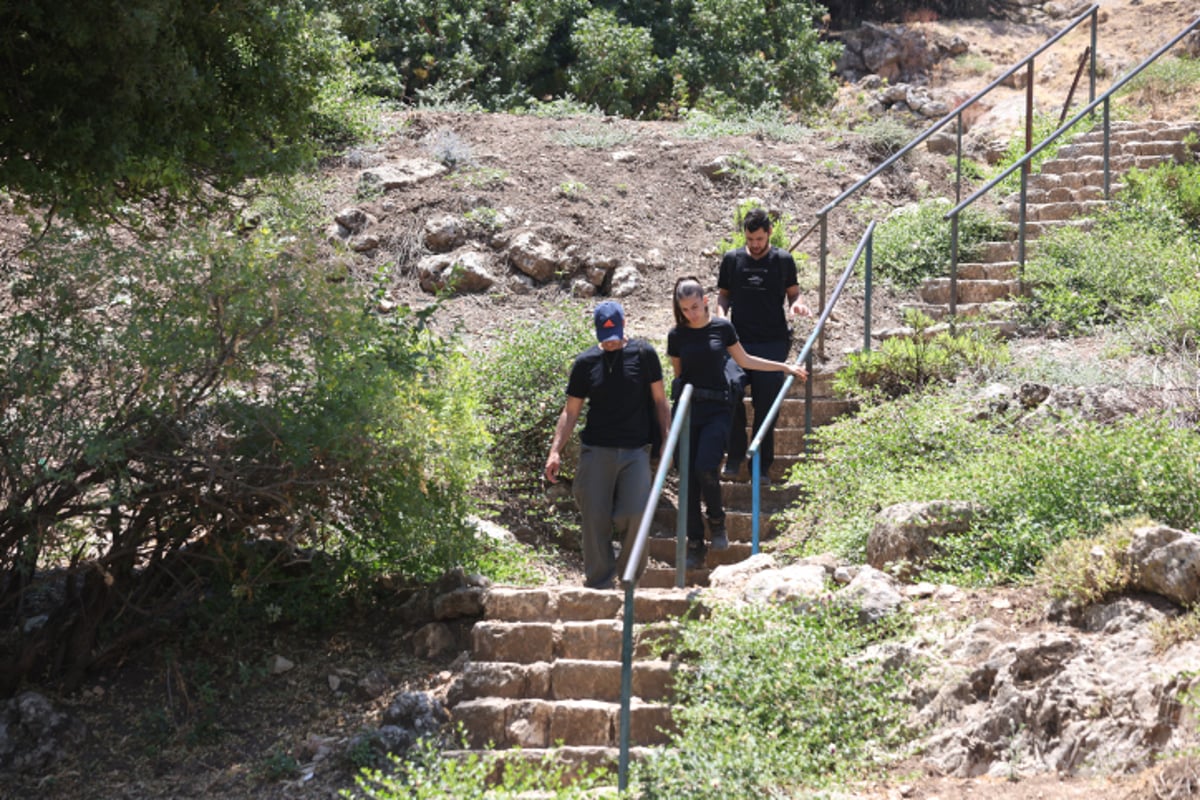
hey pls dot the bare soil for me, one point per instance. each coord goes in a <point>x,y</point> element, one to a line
<point>158,728</point>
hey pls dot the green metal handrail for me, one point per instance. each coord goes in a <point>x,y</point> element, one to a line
<point>681,424</point>
<point>805,355</point>
<point>1023,164</point>
<point>822,222</point>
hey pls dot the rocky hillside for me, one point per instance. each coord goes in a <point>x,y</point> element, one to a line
<point>1024,700</point>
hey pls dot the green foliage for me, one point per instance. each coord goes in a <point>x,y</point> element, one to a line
<point>883,137</point>
<point>1136,257</point>
<point>780,226</point>
<point>1043,126</point>
<point>778,698</point>
<point>200,395</point>
<point>904,364</point>
<point>1162,81</point>
<point>427,774</point>
<point>743,169</point>
<point>1087,570</point>
<point>639,59</point>
<point>593,136</point>
<point>485,217</point>
<point>764,122</point>
<point>522,381</point>
<point>913,243</point>
<point>615,66</point>
<point>107,104</point>
<point>1039,484</point>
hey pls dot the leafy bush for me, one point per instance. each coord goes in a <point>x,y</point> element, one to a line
<point>904,364</point>
<point>522,381</point>
<point>1136,255</point>
<point>426,774</point>
<point>212,399</point>
<point>615,66</point>
<point>913,243</point>
<point>780,226</point>
<point>1161,82</point>
<point>1085,571</point>
<point>1040,484</point>
<point>883,137</point>
<point>777,698</point>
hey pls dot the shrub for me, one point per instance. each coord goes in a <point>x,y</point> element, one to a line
<point>780,226</point>
<point>778,698</point>
<point>615,67</point>
<point>522,382</point>
<point>1135,256</point>
<point>883,137</point>
<point>913,243</point>
<point>1039,484</point>
<point>214,397</point>
<point>1088,570</point>
<point>904,364</point>
<point>1161,82</point>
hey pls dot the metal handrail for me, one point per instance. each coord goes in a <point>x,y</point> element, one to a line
<point>805,355</point>
<point>681,423</point>
<point>1027,62</point>
<point>1023,162</point>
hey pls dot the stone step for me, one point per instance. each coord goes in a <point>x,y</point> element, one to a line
<point>663,550</point>
<point>532,642</point>
<point>569,603</point>
<point>1056,212</point>
<point>998,309</point>
<point>663,577</point>
<point>1036,228</point>
<point>998,270</point>
<point>574,761</point>
<point>1064,194</point>
<point>564,679</point>
<point>937,290</point>
<point>495,722</point>
<point>1005,328</point>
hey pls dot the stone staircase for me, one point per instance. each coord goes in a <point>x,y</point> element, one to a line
<point>789,449</point>
<point>544,675</point>
<point>1067,190</point>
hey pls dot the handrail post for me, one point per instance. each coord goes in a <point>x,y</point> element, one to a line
<point>866,310</point>
<point>1107,146</point>
<point>953,270</point>
<point>1092,69</point>
<point>821,292</point>
<point>626,689</point>
<point>685,467</point>
<point>755,512</point>
<point>958,150</point>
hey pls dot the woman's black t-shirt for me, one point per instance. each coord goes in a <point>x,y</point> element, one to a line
<point>702,352</point>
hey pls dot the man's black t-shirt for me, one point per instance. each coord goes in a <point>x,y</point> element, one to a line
<point>615,386</point>
<point>757,291</point>
<point>702,352</point>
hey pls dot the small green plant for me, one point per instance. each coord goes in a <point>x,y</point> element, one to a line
<point>741,168</point>
<point>479,177</point>
<point>1087,570</point>
<point>1172,631</point>
<point>446,146</point>
<point>972,63</point>
<point>781,225</point>
<point>882,137</point>
<point>572,190</point>
<point>426,774</point>
<point>1043,126</point>
<point>485,217</point>
<point>278,766</point>
<point>904,364</point>
<point>594,136</point>
<point>766,122</point>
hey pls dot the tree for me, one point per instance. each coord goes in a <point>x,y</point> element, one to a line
<point>110,102</point>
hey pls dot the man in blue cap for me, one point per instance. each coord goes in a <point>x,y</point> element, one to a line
<point>622,383</point>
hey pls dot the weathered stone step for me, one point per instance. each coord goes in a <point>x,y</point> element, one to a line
<point>995,310</point>
<point>1036,228</point>
<point>791,413</point>
<point>553,604</point>
<point>535,642</point>
<point>534,723</point>
<point>664,550</point>
<point>1002,269</point>
<point>1064,194</point>
<point>937,290</point>
<point>1006,328</point>
<point>564,679</point>
<point>1055,212</point>
<point>663,577</point>
<point>575,761</point>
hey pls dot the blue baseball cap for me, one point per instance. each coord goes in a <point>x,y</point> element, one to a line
<point>610,321</point>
